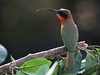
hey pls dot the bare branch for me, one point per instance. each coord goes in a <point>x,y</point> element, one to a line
<point>46,54</point>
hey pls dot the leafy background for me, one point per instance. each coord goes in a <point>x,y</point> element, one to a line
<point>23,30</point>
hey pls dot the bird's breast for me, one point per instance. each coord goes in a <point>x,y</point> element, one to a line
<point>69,33</point>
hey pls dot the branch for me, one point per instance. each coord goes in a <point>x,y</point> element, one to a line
<point>46,54</point>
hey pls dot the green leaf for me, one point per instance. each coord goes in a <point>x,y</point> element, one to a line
<point>78,59</point>
<point>62,70</point>
<point>82,67</point>
<point>81,71</point>
<point>90,61</point>
<point>32,66</point>
<point>83,64</point>
<point>42,70</point>
<point>12,59</point>
<point>91,70</point>
<point>20,73</point>
<point>62,63</point>
<point>95,73</point>
<point>98,49</point>
<point>54,69</point>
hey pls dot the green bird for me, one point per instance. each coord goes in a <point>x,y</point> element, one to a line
<point>69,34</point>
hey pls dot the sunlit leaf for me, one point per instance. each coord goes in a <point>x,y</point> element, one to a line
<point>42,70</point>
<point>20,73</point>
<point>98,49</point>
<point>12,59</point>
<point>54,69</point>
<point>32,66</point>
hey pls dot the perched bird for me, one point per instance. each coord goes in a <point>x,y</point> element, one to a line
<point>69,34</point>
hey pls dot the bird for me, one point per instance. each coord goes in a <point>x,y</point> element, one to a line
<point>69,34</point>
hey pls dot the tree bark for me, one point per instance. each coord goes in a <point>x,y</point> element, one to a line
<point>46,54</point>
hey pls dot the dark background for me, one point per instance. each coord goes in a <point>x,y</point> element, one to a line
<point>24,31</point>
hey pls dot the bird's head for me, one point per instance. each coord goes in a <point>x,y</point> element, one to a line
<point>63,14</point>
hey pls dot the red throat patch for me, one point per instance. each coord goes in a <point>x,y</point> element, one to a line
<point>61,18</point>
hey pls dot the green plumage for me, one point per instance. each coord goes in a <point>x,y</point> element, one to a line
<point>69,33</point>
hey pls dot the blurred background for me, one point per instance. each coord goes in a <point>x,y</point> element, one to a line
<point>24,31</point>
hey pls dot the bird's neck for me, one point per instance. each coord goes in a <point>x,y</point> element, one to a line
<point>67,21</point>
<point>61,18</point>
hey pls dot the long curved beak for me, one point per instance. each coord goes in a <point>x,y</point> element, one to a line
<point>54,10</point>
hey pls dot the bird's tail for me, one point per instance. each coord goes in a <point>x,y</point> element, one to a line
<point>70,61</point>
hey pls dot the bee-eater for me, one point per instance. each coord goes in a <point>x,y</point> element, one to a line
<point>69,34</point>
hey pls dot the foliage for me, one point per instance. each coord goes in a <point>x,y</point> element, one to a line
<point>40,66</point>
<point>12,59</point>
<point>32,66</point>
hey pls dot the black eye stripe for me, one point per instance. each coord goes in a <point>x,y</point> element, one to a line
<point>62,14</point>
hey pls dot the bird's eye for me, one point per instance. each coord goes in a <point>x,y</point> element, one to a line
<point>62,14</point>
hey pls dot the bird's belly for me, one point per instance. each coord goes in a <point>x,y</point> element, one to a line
<point>69,35</point>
